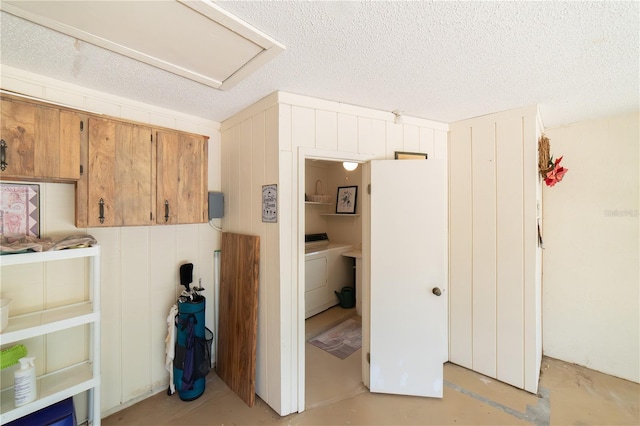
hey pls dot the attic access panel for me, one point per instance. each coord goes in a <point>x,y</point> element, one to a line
<point>196,39</point>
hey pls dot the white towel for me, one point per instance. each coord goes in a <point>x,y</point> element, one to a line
<point>170,345</point>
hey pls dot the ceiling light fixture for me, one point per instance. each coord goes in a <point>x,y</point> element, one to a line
<point>349,166</point>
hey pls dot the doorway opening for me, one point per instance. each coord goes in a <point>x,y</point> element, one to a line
<point>325,377</point>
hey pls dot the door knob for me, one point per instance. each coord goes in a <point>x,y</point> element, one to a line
<point>436,291</point>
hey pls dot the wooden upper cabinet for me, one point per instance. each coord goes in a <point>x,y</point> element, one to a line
<point>182,184</point>
<point>39,142</point>
<point>117,188</point>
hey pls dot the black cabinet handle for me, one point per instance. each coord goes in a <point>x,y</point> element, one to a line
<point>3,155</point>
<point>166,210</point>
<point>101,204</point>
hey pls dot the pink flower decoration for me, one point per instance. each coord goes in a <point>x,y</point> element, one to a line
<point>556,174</point>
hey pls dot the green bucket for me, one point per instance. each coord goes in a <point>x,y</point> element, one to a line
<point>347,297</point>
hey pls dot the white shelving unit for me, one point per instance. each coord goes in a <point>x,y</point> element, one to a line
<point>61,384</point>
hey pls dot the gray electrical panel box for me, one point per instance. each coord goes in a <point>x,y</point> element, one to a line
<point>216,205</point>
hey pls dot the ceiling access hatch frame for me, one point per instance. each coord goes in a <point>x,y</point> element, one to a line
<point>195,39</point>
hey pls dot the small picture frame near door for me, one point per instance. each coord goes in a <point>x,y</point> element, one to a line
<point>346,199</point>
<point>400,155</point>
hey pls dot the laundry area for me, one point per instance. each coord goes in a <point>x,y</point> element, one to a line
<point>333,242</point>
<point>333,235</point>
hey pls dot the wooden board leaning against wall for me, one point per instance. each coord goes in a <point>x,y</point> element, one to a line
<point>126,173</point>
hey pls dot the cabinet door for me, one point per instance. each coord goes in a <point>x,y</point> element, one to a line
<point>41,142</point>
<point>18,136</point>
<point>119,175</point>
<point>57,144</point>
<point>181,178</point>
<point>316,295</point>
<point>68,151</point>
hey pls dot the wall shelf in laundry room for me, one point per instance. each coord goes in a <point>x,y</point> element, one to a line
<point>317,203</point>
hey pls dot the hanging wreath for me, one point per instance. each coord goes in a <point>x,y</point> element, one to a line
<point>550,170</point>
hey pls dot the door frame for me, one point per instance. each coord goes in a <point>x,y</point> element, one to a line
<point>305,153</point>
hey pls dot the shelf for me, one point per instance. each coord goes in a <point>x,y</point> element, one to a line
<point>39,323</point>
<point>340,215</point>
<point>47,256</point>
<point>58,385</point>
<point>52,388</point>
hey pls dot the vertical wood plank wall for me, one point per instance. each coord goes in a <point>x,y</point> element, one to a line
<point>249,160</point>
<point>140,279</point>
<point>270,155</point>
<point>495,311</point>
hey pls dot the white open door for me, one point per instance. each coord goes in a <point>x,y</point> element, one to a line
<point>408,332</point>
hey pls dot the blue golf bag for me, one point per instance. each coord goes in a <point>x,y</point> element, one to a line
<point>192,360</point>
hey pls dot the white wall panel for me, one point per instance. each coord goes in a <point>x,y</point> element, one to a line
<point>277,133</point>
<point>283,129</point>
<point>460,248</point>
<point>111,317</point>
<point>531,131</point>
<point>208,242</point>
<point>483,175</point>
<point>510,246</point>
<point>347,133</point>
<point>226,141</point>
<point>245,164</point>
<point>303,126</point>
<point>257,153</point>
<point>163,277</point>
<point>136,327</point>
<point>61,198</point>
<point>394,140</point>
<point>288,276</point>
<point>137,114</point>
<point>440,143</point>
<point>365,135</point>
<point>326,126</point>
<point>411,138</point>
<point>14,79</point>
<point>232,221</point>
<point>427,141</point>
<point>378,144</point>
<point>251,145</point>
<point>498,221</point>
<point>107,107</point>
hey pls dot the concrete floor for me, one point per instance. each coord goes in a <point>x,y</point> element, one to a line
<point>568,395</point>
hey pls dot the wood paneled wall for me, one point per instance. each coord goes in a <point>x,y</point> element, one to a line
<point>249,160</point>
<point>262,145</point>
<point>140,279</point>
<point>494,306</point>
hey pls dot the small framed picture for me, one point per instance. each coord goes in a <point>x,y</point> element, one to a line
<point>270,203</point>
<point>399,155</point>
<point>20,209</point>
<point>346,201</point>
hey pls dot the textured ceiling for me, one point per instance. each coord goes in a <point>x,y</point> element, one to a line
<point>444,61</point>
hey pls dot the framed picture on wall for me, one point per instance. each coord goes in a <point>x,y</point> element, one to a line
<point>20,209</point>
<point>399,155</point>
<point>346,200</point>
